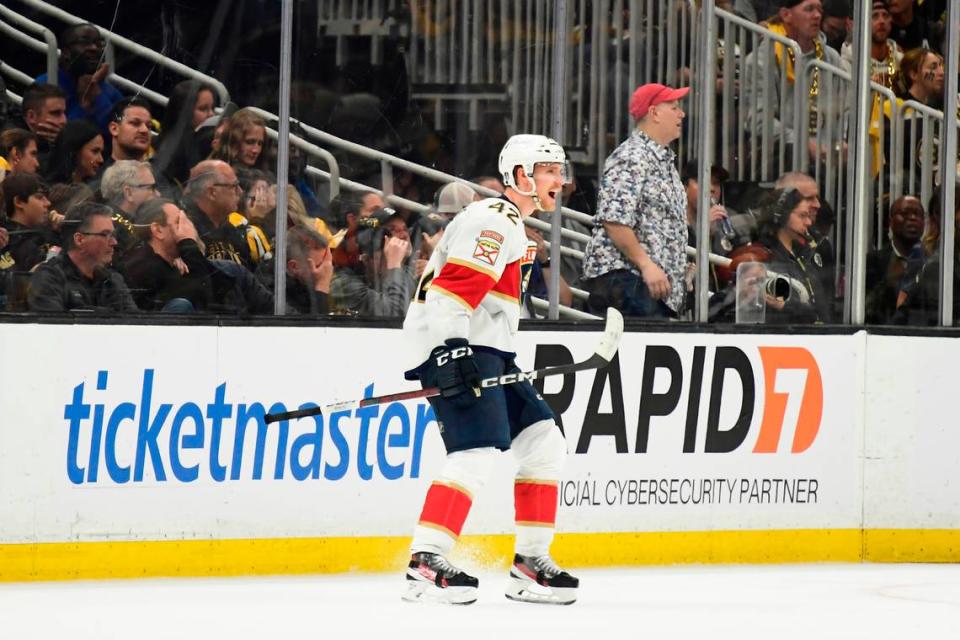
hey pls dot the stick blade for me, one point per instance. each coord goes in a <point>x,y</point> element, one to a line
<point>612,333</point>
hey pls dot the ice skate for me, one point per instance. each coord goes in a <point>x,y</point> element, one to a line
<point>431,578</point>
<point>539,579</point>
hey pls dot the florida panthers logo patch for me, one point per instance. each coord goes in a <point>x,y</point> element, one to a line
<point>487,250</point>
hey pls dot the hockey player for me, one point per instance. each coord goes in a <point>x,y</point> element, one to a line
<point>462,324</point>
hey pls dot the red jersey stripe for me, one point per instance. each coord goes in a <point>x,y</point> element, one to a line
<point>535,503</point>
<point>466,283</point>
<point>509,283</point>
<point>446,507</point>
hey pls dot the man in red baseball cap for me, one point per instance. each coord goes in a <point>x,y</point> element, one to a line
<point>636,259</point>
<point>652,94</point>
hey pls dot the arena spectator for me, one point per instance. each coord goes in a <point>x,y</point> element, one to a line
<point>212,194</point>
<point>540,272</point>
<point>44,109</point>
<point>152,270</point>
<point>453,197</point>
<point>18,151</point>
<point>885,53</point>
<point>130,130</point>
<point>82,75</point>
<point>922,77</point>
<point>837,23</point>
<point>890,269</point>
<point>355,206</point>
<point>636,259</point>
<point>785,233</point>
<point>28,233</point>
<point>256,215</point>
<point>383,283</point>
<point>721,242</point>
<point>910,28</point>
<point>206,286</point>
<point>689,176</point>
<point>799,20</point>
<point>191,104</point>
<point>309,272</point>
<point>242,141</point>
<point>77,153</point>
<point>79,276</point>
<point>746,225</point>
<point>919,302</point>
<point>259,194</point>
<point>126,185</point>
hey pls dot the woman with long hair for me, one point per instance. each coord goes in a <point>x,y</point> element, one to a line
<point>191,103</point>
<point>243,142</point>
<point>77,153</point>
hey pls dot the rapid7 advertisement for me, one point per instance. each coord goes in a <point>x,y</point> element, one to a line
<point>159,431</point>
<point>696,432</point>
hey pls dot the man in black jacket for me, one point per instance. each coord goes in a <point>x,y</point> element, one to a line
<point>892,268</point>
<point>79,278</point>
<point>212,194</point>
<point>309,272</point>
<point>150,269</point>
<point>158,284</point>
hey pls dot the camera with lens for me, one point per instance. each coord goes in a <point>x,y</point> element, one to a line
<point>431,223</point>
<point>372,230</point>
<point>777,286</point>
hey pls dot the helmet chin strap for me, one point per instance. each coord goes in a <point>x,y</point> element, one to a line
<point>532,193</point>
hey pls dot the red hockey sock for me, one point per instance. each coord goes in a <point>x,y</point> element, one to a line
<point>446,508</point>
<point>535,502</point>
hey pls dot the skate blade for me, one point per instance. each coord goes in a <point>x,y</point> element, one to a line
<point>422,591</point>
<point>524,590</point>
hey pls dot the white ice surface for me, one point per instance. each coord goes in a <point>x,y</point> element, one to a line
<point>744,602</point>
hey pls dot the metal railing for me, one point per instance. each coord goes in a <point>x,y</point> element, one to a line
<point>757,114</point>
<point>118,41</point>
<point>501,54</point>
<point>505,48</point>
<point>333,172</point>
<point>48,46</point>
<point>829,138</point>
<point>918,130</point>
<point>376,19</point>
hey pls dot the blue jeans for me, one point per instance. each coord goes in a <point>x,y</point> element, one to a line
<point>627,292</point>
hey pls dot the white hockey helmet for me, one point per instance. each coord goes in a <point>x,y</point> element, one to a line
<point>527,150</point>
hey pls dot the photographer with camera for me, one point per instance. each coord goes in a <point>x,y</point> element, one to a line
<point>786,233</point>
<point>382,283</point>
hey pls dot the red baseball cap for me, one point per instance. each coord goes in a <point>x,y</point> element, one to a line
<point>652,94</point>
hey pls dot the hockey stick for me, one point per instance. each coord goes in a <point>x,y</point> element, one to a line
<point>606,348</point>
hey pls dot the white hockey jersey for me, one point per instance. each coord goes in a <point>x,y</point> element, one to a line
<point>473,284</point>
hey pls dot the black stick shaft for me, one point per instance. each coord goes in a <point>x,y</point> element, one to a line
<point>594,362</point>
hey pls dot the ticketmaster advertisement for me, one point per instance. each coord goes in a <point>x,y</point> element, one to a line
<point>149,433</point>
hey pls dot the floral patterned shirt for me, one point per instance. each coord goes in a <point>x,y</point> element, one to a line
<point>641,188</point>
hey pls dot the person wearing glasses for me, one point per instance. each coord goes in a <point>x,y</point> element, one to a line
<point>125,186</point>
<point>79,277</point>
<point>82,75</point>
<point>211,195</point>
